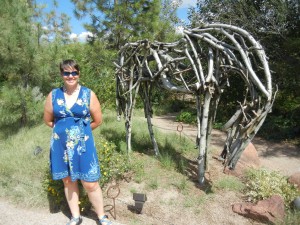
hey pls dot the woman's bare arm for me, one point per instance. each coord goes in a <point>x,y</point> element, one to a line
<point>48,111</point>
<point>95,110</point>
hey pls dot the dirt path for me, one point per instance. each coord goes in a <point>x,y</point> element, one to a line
<point>168,206</point>
<point>16,215</point>
<point>282,157</point>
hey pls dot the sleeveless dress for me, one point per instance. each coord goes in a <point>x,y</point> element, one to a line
<point>72,148</point>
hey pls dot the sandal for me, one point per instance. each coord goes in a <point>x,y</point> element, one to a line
<point>104,220</point>
<point>77,221</point>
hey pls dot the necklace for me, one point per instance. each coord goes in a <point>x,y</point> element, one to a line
<point>71,92</point>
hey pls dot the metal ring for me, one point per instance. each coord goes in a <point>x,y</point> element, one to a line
<point>181,127</point>
<point>110,194</point>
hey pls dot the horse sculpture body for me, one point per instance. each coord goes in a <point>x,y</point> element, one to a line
<point>201,64</point>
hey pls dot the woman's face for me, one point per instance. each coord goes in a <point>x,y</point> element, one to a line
<point>70,76</point>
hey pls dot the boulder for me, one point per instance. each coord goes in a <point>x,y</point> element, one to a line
<point>295,179</point>
<point>270,210</point>
<point>248,159</point>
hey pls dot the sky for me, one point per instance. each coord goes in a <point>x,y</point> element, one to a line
<point>78,31</point>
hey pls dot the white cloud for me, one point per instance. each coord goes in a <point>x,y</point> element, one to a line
<point>73,36</point>
<point>80,37</point>
<point>188,3</point>
<point>84,35</point>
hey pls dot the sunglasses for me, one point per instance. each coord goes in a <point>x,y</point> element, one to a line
<point>73,73</point>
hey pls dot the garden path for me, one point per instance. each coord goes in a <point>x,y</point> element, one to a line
<point>282,156</point>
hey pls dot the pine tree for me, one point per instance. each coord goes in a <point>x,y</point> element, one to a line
<point>123,20</point>
<point>18,54</point>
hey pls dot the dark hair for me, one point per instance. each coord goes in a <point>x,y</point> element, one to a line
<point>68,63</point>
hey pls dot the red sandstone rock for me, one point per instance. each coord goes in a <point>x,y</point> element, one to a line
<point>269,210</point>
<point>248,159</point>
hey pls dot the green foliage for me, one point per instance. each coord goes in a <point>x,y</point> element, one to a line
<point>167,161</point>
<point>282,129</point>
<point>187,117</point>
<point>97,69</point>
<point>24,75</point>
<point>57,24</point>
<point>122,21</point>
<point>19,107</point>
<point>252,15</point>
<point>292,217</point>
<point>262,184</point>
<point>113,166</point>
<point>17,48</point>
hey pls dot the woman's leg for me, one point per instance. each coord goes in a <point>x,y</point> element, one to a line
<point>72,196</point>
<point>94,192</point>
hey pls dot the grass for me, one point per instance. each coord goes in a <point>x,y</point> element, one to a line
<point>22,172</point>
<point>152,183</point>
<point>292,217</point>
<point>167,161</point>
<point>182,185</point>
<point>229,183</point>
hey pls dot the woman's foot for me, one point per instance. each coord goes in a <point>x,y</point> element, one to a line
<point>104,220</point>
<point>75,221</point>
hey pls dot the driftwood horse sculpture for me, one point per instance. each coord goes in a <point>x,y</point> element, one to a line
<point>201,64</point>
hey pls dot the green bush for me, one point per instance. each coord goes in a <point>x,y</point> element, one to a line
<point>20,107</point>
<point>187,117</point>
<point>113,165</point>
<point>262,184</point>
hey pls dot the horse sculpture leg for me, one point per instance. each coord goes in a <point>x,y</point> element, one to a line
<point>148,115</point>
<point>203,138</point>
<point>201,167</point>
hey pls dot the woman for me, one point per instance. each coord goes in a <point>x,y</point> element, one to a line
<point>73,111</point>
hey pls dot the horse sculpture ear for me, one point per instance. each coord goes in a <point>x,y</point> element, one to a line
<point>185,67</point>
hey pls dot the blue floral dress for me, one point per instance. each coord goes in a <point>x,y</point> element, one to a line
<point>73,152</point>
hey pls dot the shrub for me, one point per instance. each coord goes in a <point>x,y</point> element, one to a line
<point>113,165</point>
<point>187,117</point>
<point>262,184</point>
<point>20,107</point>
